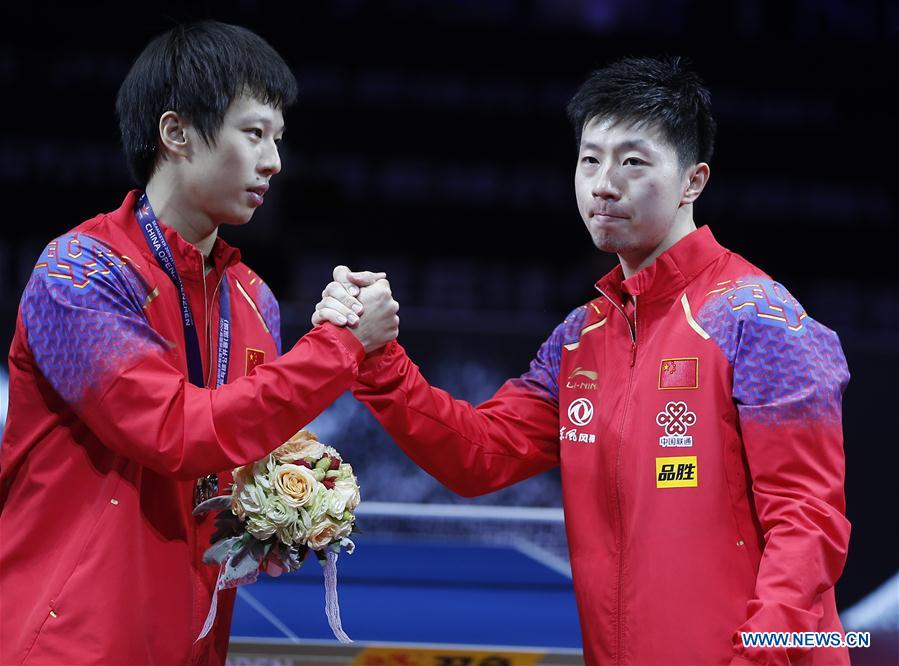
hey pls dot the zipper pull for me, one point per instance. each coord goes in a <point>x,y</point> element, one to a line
<point>634,339</point>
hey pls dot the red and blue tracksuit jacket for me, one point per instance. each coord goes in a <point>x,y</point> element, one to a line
<point>100,558</point>
<point>695,411</point>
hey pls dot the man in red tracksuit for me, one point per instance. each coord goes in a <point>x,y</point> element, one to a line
<point>693,405</point>
<point>145,366</point>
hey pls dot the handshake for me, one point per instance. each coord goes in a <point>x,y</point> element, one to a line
<point>363,302</point>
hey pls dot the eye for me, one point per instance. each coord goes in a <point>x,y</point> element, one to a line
<point>255,131</point>
<point>589,159</point>
<point>634,161</point>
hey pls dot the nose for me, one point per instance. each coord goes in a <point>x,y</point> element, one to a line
<point>270,163</point>
<point>605,184</point>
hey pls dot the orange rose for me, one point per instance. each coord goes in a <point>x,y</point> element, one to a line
<point>304,444</point>
<point>296,485</point>
<point>325,531</point>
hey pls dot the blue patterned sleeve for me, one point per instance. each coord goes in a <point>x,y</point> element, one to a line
<point>271,312</point>
<point>543,375</point>
<point>787,366</point>
<point>789,373</point>
<point>82,311</point>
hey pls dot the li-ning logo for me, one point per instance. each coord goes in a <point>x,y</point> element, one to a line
<point>675,419</point>
<point>574,383</point>
<point>580,412</point>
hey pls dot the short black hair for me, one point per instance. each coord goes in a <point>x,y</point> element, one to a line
<point>196,70</point>
<point>663,92</point>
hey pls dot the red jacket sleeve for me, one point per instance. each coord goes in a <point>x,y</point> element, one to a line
<point>168,424</point>
<point>94,345</point>
<point>789,373</point>
<point>471,449</point>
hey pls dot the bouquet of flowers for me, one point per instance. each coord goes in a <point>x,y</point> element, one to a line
<point>299,498</point>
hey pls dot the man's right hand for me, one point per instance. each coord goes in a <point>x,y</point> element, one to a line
<point>363,301</point>
<point>379,323</point>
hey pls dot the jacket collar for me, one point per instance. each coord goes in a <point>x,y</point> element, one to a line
<point>187,257</point>
<point>670,273</point>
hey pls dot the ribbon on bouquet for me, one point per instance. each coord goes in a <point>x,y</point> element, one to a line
<point>231,574</point>
<point>332,607</point>
<point>213,608</point>
<point>237,570</point>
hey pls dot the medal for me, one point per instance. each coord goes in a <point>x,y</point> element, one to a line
<point>206,488</point>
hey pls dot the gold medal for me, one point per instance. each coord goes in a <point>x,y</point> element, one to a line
<point>207,487</point>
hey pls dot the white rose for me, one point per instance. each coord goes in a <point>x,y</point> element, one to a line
<point>237,508</point>
<point>239,476</point>
<point>260,527</point>
<point>261,470</point>
<point>344,531</point>
<point>356,497</point>
<point>250,500</point>
<point>279,512</point>
<point>319,506</point>
<point>343,497</point>
<point>294,532</point>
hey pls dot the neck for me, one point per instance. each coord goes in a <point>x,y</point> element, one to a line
<point>632,263</point>
<point>170,208</point>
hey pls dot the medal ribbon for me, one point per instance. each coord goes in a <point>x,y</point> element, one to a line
<point>149,225</point>
<point>158,245</point>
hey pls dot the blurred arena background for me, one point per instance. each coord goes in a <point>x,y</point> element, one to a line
<point>430,141</point>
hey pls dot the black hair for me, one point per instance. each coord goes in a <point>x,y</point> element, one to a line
<point>663,92</point>
<point>196,70</point>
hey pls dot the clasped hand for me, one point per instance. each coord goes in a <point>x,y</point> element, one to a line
<point>363,302</point>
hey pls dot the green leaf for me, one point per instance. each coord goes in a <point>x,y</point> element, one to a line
<point>245,543</point>
<point>241,572</point>
<point>216,503</point>
<point>226,525</point>
<point>220,551</point>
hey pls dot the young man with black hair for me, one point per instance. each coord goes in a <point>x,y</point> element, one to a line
<point>694,408</point>
<point>146,364</point>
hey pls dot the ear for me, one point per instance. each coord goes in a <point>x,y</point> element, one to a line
<point>698,177</point>
<point>173,134</point>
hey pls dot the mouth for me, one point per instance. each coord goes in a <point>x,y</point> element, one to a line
<point>257,195</point>
<point>606,215</point>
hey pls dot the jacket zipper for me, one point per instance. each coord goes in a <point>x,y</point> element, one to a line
<point>632,329</point>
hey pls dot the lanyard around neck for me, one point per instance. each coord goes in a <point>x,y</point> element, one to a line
<point>158,245</point>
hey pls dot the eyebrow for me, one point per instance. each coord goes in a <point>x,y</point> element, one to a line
<point>630,144</point>
<point>257,118</point>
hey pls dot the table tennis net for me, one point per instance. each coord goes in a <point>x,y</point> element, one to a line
<point>537,531</point>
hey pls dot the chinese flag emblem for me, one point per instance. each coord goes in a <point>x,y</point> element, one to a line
<point>679,373</point>
<point>254,358</point>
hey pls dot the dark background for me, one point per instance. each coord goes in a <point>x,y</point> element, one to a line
<point>430,141</point>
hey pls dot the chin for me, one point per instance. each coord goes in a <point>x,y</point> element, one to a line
<point>605,242</point>
<point>238,219</point>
